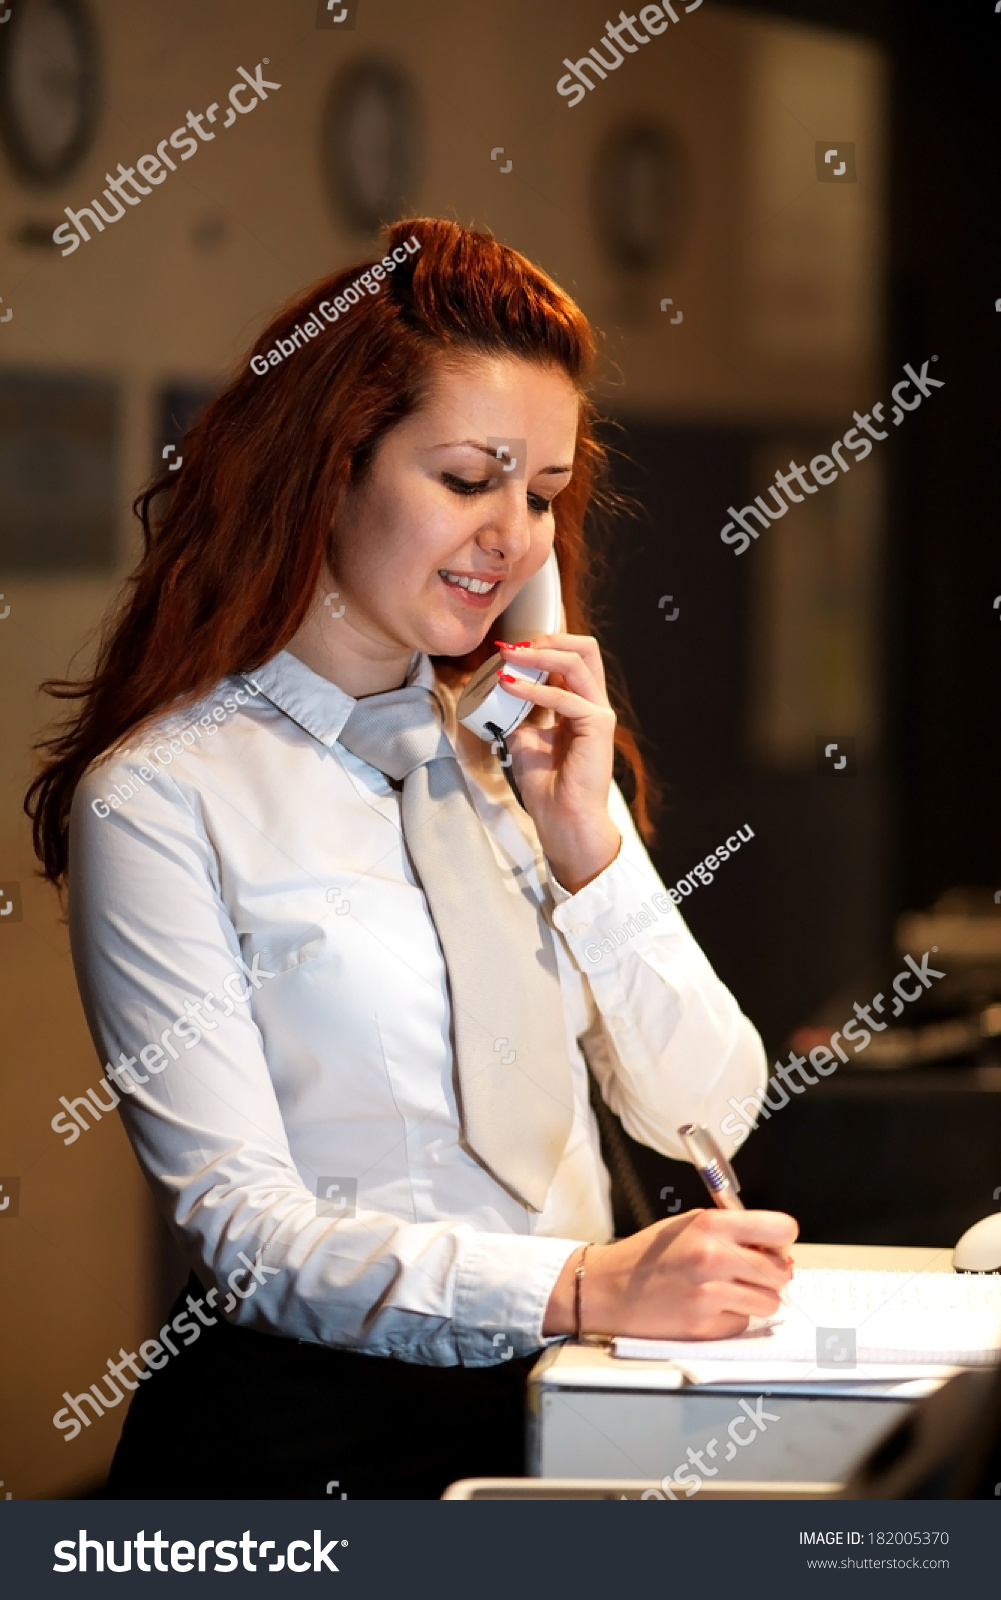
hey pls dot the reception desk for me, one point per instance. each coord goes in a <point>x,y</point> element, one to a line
<point>594,1416</point>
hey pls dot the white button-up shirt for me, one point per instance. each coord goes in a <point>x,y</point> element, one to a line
<point>261,974</point>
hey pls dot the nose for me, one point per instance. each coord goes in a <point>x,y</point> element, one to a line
<point>507,533</point>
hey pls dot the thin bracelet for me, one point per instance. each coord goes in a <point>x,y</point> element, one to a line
<point>577,1287</point>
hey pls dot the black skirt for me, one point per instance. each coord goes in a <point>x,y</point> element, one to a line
<point>250,1416</point>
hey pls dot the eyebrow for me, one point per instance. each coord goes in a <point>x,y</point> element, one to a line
<point>486,450</point>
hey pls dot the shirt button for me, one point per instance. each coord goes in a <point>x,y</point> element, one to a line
<point>579,929</point>
<point>617,1024</point>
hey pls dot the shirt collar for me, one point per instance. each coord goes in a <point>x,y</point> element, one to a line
<point>315,704</point>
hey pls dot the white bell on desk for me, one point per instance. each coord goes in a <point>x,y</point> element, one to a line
<point>979,1249</point>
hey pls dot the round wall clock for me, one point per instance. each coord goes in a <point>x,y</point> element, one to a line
<point>369,144</point>
<point>641,195</point>
<point>48,87</point>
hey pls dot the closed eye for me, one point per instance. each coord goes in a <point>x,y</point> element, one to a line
<point>464,485</point>
<point>537,503</point>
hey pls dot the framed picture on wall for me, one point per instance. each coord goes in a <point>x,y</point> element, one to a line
<point>369,145</point>
<point>177,405</point>
<point>59,444</point>
<point>814,605</point>
<point>49,88</point>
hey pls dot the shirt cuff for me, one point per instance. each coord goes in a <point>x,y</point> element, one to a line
<point>612,911</point>
<point>502,1289</point>
<point>561,895</point>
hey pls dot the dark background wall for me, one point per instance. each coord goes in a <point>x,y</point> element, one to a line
<point>809,909</point>
<point>806,914</point>
<point>801,910</point>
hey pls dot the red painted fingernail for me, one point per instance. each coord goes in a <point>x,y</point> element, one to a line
<point>504,644</point>
<point>523,644</point>
<point>506,677</point>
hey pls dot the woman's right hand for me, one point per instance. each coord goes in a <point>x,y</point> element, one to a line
<point>700,1275</point>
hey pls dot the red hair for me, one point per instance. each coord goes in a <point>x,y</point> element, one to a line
<point>232,560</point>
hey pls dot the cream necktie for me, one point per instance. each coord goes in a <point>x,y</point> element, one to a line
<point>515,1091</point>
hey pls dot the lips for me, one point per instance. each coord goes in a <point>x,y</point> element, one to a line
<point>472,591</point>
<point>460,580</point>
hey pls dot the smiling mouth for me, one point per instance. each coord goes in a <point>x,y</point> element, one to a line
<point>474,588</point>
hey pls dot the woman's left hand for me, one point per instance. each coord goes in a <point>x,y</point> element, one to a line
<point>565,772</point>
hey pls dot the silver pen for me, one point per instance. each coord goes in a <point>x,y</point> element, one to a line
<point>716,1173</point>
<point>712,1166</point>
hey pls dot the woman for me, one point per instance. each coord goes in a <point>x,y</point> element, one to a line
<point>342,990</point>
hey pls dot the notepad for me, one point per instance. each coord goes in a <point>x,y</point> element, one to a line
<point>838,1320</point>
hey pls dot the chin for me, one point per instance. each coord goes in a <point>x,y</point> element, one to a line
<point>458,643</point>
<point>457,668</point>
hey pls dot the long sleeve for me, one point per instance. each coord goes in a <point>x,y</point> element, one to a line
<point>669,1044</point>
<point>264,982</point>
<point>151,939</point>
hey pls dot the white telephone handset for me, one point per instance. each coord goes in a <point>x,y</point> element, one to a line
<point>485,706</point>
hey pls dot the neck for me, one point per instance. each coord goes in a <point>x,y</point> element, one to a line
<point>332,649</point>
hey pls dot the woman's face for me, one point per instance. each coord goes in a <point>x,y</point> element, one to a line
<point>437,506</point>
